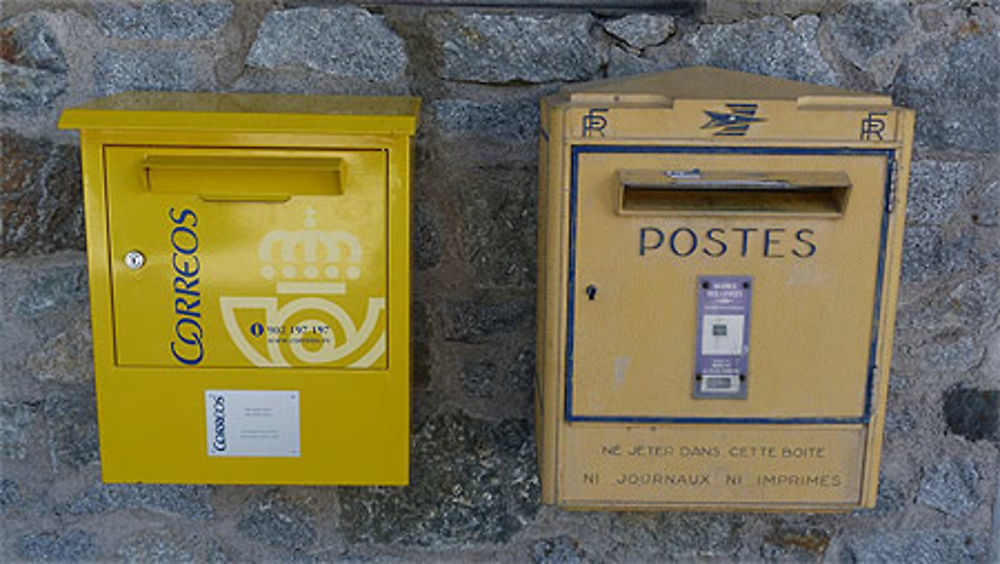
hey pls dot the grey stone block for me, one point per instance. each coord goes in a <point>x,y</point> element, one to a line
<point>728,11</point>
<point>67,356</point>
<point>29,41</point>
<point>421,346</point>
<point>505,121</point>
<point>986,203</point>
<point>476,322</point>
<point>803,544</point>
<point>50,290</point>
<point>167,546</point>
<point>866,33</point>
<point>898,423</point>
<point>658,537</point>
<point>973,413</point>
<point>773,46</point>
<point>345,41</point>
<point>305,81</point>
<point>279,520</point>
<point>71,417</point>
<point>41,196</point>
<point>426,240</point>
<point>73,545</point>
<point>15,418</point>
<point>487,379</point>
<point>950,350</point>
<point>955,86</point>
<point>557,550</point>
<point>507,48</point>
<point>43,308</point>
<point>494,134</point>
<point>950,486</point>
<point>928,252</point>
<point>914,547</point>
<point>968,309</point>
<point>473,481</point>
<point>641,30</point>
<point>975,303</point>
<point>498,226</point>
<point>892,497</point>
<point>121,69</point>
<point>190,501</point>
<point>33,66</point>
<point>170,19</point>
<point>479,378</point>
<point>685,535</point>
<point>622,63</point>
<point>937,189</point>
<point>10,495</point>
<point>27,89</point>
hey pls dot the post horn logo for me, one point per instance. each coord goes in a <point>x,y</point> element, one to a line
<point>735,122</point>
<point>315,265</point>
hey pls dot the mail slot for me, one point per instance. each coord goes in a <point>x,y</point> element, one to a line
<point>249,274</point>
<point>718,268</point>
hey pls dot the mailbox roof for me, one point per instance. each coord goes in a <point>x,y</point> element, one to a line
<point>707,83</point>
<point>246,112</point>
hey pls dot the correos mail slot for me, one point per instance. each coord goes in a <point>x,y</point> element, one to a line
<point>719,259</point>
<point>249,271</point>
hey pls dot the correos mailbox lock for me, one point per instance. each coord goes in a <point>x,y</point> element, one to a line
<point>249,275</point>
<point>719,258</point>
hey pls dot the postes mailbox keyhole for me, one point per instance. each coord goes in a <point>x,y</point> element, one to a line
<point>592,291</point>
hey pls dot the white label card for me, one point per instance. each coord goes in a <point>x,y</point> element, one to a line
<point>722,335</point>
<point>252,423</point>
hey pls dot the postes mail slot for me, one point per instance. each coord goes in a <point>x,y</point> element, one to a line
<point>717,292</point>
<point>249,269</point>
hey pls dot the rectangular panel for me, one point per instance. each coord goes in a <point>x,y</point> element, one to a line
<point>731,465</point>
<point>252,423</point>
<point>723,334</point>
<point>632,282</point>
<point>248,257</point>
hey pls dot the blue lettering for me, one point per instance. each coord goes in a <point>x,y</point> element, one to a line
<point>193,242</point>
<point>746,232</point>
<point>768,241</point>
<point>723,247</point>
<point>642,239</point>
<point>716,242</point>
<point>184,215</point>
<point>186,360</point>
<point>810,246</point>
<point>184,307</point>
<point>673,241</point>
<point>187,299</point>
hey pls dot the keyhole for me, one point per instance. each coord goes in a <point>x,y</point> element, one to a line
<point>591,291</point>
<point>134,260</point>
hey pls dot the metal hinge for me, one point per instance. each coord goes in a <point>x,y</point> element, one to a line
<point>891,203</point>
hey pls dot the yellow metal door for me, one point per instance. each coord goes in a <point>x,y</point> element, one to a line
<point>637,253</point>
<point>248,257</point>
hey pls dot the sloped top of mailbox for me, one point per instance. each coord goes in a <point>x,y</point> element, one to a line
<point>707,83</point>
<point>246,112</point>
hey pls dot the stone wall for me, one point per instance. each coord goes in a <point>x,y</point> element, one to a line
<point>480,73</point>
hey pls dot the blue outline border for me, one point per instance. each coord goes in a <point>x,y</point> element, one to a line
<point>577,150</point>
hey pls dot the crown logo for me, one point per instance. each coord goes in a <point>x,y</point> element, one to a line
<point>310,261</point>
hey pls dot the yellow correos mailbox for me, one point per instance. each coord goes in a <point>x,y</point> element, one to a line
<point>249,275</point>
<point>719,259</point>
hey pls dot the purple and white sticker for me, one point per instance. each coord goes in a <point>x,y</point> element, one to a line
<point>723,338</point>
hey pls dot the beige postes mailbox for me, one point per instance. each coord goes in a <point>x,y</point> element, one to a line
<point>719,259</point>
